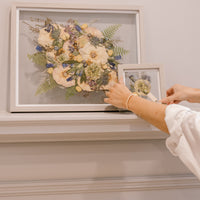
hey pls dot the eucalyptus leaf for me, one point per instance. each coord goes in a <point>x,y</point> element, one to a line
<point>83,77</point>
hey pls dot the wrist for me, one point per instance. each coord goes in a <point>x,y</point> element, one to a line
<point>131,95</point>
<point>193,95</point>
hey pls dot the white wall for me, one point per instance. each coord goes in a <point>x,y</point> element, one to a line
<point>172,34</point>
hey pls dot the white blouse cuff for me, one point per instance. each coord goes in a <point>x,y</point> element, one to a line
<point>174,116</point>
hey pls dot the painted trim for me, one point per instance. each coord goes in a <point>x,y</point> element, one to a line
<point>91,126</point>
<point>57,187</point>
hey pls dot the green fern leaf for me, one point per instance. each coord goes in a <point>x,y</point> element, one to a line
<point>47,85</point>
<point>110,31</point>
<point>119,51</point>
<point>38,58</point>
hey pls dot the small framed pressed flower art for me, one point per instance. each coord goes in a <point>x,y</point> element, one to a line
<point>144,79</point>
<point>64,58</point>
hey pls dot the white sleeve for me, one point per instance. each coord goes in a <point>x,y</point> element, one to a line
<point>184,140</point>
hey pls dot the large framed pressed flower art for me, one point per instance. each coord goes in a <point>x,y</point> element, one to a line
<point>64,58</point>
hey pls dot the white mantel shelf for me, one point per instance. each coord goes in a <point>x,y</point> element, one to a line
<point>51,127</point>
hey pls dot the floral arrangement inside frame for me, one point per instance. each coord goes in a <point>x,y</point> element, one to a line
<point>140,83</point>
<point>76,57</point>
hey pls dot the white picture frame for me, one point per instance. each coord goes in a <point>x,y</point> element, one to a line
<point>21,97</point>
<point>147,80</point>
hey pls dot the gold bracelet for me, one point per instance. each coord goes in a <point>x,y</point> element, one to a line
<point>127,101</point>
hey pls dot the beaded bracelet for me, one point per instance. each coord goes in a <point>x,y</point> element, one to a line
<point>127,100</point>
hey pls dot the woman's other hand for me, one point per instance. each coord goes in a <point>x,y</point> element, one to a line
<point>178,93</point>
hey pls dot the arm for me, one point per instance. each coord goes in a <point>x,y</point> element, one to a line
<point>152,112</point>
<point>178,93</point>
<point>183,124</point>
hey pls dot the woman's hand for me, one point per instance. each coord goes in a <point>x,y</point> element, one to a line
<point>118,95</point>
<point>178,93</point>
<point>152,112</point>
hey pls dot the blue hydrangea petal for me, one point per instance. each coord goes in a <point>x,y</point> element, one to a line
<point>111,63</point>
<point>49,65</point>
<point>78,28</point>
<point>118,57</point>
<point>69,79</point>
<point>65,65</point>
<point>38,48</point>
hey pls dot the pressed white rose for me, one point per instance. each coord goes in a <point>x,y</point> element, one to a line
<point>62,78</point>
<point>82,41</point>
<point>94,32</point>
<point>45,38</point>
<point>96,55</point>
